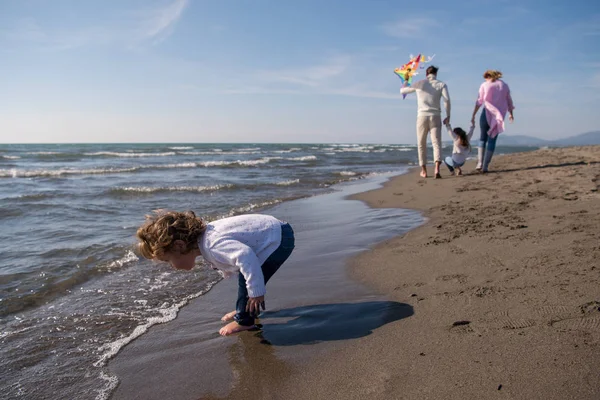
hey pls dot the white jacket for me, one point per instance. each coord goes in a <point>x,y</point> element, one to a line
<point>242,243</point>
<point>429,94</point>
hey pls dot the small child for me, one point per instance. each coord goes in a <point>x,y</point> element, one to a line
<point>460,150</point>
<point>256,245</point>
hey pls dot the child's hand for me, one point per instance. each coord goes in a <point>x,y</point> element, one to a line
<point>254,305</point>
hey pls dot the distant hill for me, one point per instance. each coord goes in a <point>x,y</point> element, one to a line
<point>584,139</point>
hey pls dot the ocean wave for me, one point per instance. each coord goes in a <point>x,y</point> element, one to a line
<point>356,149</point>
<point>181,148</point>
<point>56,284</point>
<point>221,152</point>
<point>141,190</point>
<point>109,350</point>
<point>346,173</point>
<point>147,189</point>
<point>16,173</point>
<point>10,212</point>
<point>251,207</point>
<point>289,150</point>
<point>304,158</point>
<point>247,163</point>
<point>129,257</point>
<point>26,197</point>
<point>288,183</point>
<point>11,157</point>
<point>116,154</point>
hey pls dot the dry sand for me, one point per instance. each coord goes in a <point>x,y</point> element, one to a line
<point>505,284</point>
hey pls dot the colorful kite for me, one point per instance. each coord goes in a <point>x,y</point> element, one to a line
<point>408,70</point>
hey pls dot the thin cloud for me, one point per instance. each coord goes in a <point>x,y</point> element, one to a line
<point>312,76</point>
<point>408,28</point>
<point>158,24</point>
<point>142,27</point>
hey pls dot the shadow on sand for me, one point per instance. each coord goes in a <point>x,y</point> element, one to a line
<point>327,322</point>
<point>544,166</point>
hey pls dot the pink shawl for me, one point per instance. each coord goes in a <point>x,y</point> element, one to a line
<point>495,98</point>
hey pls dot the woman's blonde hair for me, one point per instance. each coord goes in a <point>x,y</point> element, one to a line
<point>492,74</point>
<point>163,228</point>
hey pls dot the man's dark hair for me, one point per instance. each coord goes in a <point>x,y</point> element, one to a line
<point>432,70</point>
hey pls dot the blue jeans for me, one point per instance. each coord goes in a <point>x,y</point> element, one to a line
<point>483,137</point>
<point>451,164</point>
<point>269,267</point>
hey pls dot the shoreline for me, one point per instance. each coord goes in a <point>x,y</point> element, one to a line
<point>312,309</point>
<point>498,309</point>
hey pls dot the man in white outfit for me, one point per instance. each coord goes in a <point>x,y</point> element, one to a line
<point>429,116</point>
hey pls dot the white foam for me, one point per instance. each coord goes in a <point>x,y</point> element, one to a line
<point>290,150</point>
<point>250,207</point>
<point>181,148</point>
<point>111,384</point>
<point>116,154</point>
<point>16,173</point>
<point>11,157</point>
<point>347,173</point>
<point>127,258</point>
<point>287,183</point>
<point>146,189</point>
<point>167,313</point>
<point>220,152</point>
<point>305,158</point>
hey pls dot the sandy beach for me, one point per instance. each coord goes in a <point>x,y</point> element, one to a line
<point>505,284</point>
<point>496,296</point>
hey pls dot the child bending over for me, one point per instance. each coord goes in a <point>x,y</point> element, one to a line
<point>460,150</point>
<point>255,245</point>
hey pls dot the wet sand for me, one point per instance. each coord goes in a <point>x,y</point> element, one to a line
<point>496,296</point>
<point>313,308</point>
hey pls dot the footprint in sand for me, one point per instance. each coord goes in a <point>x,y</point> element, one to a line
<point>554,313</point>
<point>585,318</point>
<point>462,327</point>
<point>519,323</point>
<point>460,278</point>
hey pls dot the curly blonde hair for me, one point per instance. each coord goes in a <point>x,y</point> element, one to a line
<point>163,228</point>
<point>492,74</point>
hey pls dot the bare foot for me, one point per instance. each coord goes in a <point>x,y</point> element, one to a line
<point>234,327</point>
<point>437,170</point>
<point>423,174</point>
<point>459,172</point>
<point>228,317</point>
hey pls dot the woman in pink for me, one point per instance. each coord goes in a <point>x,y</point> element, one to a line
<point>494,96</point>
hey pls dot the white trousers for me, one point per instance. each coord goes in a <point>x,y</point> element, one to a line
<point>426,124</point>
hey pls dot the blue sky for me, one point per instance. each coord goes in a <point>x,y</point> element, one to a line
<point>284,71</point>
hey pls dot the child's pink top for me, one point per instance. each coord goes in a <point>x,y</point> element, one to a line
<point>495,97</point>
